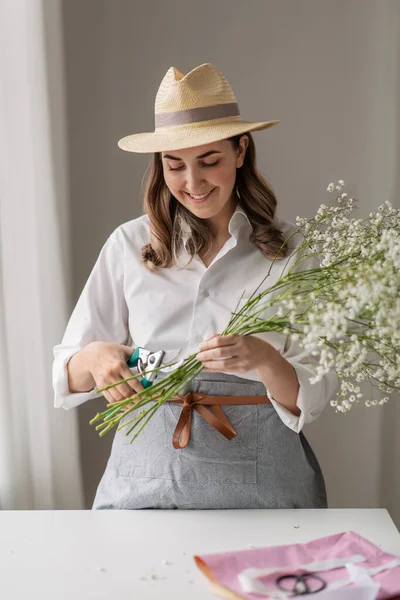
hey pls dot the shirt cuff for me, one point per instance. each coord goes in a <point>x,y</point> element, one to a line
<point>63,398</point>
<point>311,398</point>
<point>289,419</point>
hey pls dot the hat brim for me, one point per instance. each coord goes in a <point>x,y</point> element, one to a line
<point>188,136</point>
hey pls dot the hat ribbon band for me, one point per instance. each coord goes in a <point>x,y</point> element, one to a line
<point>194,115</point>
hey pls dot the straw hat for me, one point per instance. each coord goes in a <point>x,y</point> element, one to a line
<point>191,110</point>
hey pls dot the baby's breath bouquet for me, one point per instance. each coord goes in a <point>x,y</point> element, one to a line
<point>344,312</point>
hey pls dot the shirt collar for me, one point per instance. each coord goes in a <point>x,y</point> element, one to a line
<point>238,221</point>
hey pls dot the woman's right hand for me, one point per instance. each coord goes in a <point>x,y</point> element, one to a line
<point>107,364</point>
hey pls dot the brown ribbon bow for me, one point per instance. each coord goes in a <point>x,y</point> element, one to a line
<point>215,416</point>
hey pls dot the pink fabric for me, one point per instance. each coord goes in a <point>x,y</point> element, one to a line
<point>226,566</point>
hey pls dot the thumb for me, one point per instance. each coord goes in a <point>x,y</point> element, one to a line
<point>128,350</point>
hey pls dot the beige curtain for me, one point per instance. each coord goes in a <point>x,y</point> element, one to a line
<point>39,453</point>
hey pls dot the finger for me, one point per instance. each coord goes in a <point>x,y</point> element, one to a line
<point>128,350</point>
<point>219,353</point>
<point>113,394</point>
<point>218,340</point>
<point>130,387</point>
<point>111,400</point>
<point>228,364</point>
<point>108,397</point>
<point>205,343</point>
<point>212,336</point>
<point>121,391</point>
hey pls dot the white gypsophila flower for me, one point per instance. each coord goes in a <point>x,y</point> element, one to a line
<point>350,307</point>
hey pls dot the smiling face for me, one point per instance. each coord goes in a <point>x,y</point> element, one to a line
<point>202,178</point>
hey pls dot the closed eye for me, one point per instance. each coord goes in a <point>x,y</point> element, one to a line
<point>204,165</point>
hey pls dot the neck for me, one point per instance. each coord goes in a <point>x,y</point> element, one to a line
<point>219,225</point>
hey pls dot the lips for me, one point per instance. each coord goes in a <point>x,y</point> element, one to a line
<point>200,200</point>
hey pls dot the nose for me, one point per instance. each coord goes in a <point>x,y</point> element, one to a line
<point>194,181</point>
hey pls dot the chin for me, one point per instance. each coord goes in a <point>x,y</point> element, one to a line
<point>205,213</point>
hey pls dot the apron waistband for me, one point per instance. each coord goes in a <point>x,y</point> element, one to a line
<point>215,416</point>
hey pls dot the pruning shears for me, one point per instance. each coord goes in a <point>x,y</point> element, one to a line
<point>143,359</point>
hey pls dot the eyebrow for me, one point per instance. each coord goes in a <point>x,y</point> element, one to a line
<point>201,155</point>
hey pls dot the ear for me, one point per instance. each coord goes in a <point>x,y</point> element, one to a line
<point>244,142</point>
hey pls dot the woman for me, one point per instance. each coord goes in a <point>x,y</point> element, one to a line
<point>169,280</point>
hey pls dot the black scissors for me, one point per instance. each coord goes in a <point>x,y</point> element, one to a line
<point>306,583</point>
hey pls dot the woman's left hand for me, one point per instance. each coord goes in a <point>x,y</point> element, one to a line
<point>235,353</point>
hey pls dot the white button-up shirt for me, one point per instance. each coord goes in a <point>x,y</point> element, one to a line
<point>175,309</point>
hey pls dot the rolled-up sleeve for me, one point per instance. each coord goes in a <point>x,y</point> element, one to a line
<point>312,397</point>
<point>101,314</point>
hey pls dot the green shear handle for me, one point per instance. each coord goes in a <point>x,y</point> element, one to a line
<point>133,362</point>
<point>145,359</point>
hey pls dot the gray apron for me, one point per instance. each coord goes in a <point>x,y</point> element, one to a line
<point>267,465</point>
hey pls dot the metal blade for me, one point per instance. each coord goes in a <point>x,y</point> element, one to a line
<point>173,367</point>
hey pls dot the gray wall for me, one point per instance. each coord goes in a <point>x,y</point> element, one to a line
<point>328,69</point>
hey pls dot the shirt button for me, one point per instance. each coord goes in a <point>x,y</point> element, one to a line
<point>206,293</point>
<point>198,338</point>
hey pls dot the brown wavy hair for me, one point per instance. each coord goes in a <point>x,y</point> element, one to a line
<point>169,219</point>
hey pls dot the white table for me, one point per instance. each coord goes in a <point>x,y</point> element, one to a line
<point>82,555</point>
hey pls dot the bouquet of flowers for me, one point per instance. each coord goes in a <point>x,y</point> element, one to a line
<point>345,312</point>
